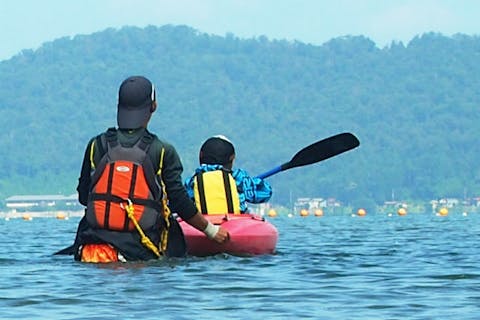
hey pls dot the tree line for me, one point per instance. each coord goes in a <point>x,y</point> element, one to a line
<point>413,107</point>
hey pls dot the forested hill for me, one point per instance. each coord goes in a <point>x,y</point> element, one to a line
<point>414,107</point>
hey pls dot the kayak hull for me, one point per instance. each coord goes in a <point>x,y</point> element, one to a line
<point>249,235</point>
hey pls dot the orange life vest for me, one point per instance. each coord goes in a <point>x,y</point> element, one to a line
<point>124,175</point>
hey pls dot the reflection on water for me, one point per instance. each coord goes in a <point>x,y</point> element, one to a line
<point>330,267</point>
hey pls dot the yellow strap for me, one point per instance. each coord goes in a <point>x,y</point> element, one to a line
<point>166,209</point>
<point>160,162</point>
<point>145,240</point>
<point>92,150</point>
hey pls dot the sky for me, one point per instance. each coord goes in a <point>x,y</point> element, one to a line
<point>27,24</point>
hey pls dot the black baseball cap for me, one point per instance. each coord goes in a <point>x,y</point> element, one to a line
<point>216,150</point>
<point>135,98</point>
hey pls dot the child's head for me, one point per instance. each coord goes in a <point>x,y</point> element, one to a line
<point>217,150</point>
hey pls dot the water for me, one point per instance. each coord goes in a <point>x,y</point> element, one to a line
<point>331,267</point>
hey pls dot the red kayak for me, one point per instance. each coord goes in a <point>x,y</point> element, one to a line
<point>249,235</point>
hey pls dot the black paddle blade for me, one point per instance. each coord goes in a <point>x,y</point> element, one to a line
<point>322,150</point>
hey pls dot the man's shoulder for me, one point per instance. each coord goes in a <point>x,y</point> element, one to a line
<point>98,139</point>
<point>101,135</point>
<point>160,142</point>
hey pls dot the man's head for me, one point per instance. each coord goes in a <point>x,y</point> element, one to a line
<point>136,102</point>
<point>217,150</point>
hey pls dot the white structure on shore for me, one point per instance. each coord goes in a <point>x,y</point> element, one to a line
<point>42,202</point>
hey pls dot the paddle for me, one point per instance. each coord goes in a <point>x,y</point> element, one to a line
<point>318,151</point>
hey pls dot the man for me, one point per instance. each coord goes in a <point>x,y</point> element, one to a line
<point>129,182</point>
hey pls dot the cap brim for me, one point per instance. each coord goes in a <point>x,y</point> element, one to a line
<point>132,118</point>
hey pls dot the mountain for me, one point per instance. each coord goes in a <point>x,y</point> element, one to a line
<point>414,107</point>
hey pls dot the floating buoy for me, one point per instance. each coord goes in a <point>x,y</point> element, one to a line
<point>402,212</point>
<point>464,214</point>
<point>290,215</point>
<point>361,212</point>
<point>318,212</point>
<point>61,216</point>
<point>27,217</point>
<point>443,212</point>
<point>272,213</point>
<point>304,212</point>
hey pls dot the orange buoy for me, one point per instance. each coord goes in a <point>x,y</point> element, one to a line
<point>443,212</point>
<point>272,213</point>
<point>27,217</point>
<point>361,212</point>
<point>402,212</point>
<point>304,212</point>
<point>61,216</point>
<point>318,212</point>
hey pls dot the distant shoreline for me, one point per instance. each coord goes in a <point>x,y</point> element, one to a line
<point>60,214</point>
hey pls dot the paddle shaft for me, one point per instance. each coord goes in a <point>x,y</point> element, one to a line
<point>316,152</point>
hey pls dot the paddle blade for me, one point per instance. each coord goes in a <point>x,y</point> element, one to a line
<point>322,150</point>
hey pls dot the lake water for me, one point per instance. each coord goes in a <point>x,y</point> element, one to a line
<point>332,267</point>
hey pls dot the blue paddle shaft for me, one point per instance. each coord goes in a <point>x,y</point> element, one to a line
<point>270,172</point>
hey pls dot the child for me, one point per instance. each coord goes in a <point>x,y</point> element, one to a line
<point>216,188</point>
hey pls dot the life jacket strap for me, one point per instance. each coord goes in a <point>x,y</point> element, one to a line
<point>201,193</point>
<point>228,191</point>
<point>113,198</point>
<point>111,137</point>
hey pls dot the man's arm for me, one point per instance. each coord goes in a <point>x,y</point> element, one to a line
<point>84,180</point>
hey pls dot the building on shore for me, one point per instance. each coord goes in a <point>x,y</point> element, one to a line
<point>21,203</point>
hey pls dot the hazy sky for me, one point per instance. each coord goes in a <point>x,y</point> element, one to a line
<point>26,24</point>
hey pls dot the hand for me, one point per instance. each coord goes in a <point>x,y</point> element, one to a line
<point>222,236</point>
